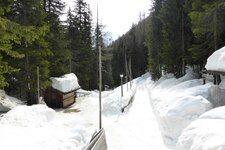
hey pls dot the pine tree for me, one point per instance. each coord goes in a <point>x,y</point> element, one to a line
<point>59,61</point>
<point>35,48</point>
<point>207,19</point>
<point>130,53</point>
<point>154,41</point>
<point>9,34</point>
<point>79,33</point>
<point>176,36</point>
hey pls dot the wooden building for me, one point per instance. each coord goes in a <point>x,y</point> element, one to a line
<point>56,99</point>
<point>62,93</point>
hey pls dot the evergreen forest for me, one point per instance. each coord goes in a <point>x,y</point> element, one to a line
<point>175,34</point>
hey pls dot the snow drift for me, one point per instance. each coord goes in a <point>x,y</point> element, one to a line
<point>113,103</point>
<point>66,83</point>
<point>178,102</point>
<point>35,116</point>
<point>8,102</point>
<point>206,133</point>
<point>38,127</point>
<point>216,61</point>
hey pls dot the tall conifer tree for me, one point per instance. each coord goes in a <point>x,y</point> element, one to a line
<point>36,50</point>
<point>79,33</point>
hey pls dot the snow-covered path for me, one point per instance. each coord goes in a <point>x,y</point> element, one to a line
<point>137,128</point>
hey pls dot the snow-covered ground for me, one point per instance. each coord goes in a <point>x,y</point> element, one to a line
<point>39,127</point>
<point>137,128</point>
<point>162,113</point>
<point>206,133</point>
<point>178,102</point>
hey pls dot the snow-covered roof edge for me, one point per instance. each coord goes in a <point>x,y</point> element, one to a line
<point>216,61</point>
<point>65,83</point>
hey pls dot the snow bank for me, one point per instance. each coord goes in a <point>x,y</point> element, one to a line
<point>114,103</point>
<point>216,61</point>
<point>206,133</point>
<point>66,83</point>
<point>35,116</point>
<point>177,102</point>
<point>8,102</point>
<point>39,127</point>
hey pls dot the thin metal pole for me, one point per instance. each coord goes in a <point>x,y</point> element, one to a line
<point>38,85</point>
<point>100,76</point>
<point>100,89</point>
<point>70,65</point>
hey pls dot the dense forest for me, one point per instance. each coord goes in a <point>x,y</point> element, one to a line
<point>176,33</point>
<point>33,36</point>
<point>130,53</point>
<point>183,32</point>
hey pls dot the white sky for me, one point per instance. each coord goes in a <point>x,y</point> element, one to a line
<point>117,15</point>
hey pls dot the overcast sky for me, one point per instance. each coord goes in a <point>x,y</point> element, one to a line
<point>116,15</point>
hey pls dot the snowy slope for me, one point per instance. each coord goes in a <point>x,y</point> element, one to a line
<point>178,102</point>
<point>39,127</point>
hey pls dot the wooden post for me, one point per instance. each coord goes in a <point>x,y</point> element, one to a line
<point>127,82</point>
<point>38,85</point>
<point>182,37</point>
<point>130,72</point>
<point>70,65</point>
<point>29,99</point>
<point>215,29</point>
<point>121,76</point>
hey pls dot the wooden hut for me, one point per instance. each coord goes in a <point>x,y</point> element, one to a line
<point>56,99</point>
<point>62,93</point>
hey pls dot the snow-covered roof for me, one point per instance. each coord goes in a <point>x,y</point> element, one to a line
<point>66,83</point>
<point>216,61</point>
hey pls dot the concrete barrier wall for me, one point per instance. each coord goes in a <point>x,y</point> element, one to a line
<point>98,142</point>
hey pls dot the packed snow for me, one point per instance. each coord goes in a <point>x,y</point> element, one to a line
<point>206,133</point>
<point>39,127</point>
<point>216,61</point>
<point>66,83</point>
<point>114,103</point>
<point>178,102</point>
<point>137,128</point>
